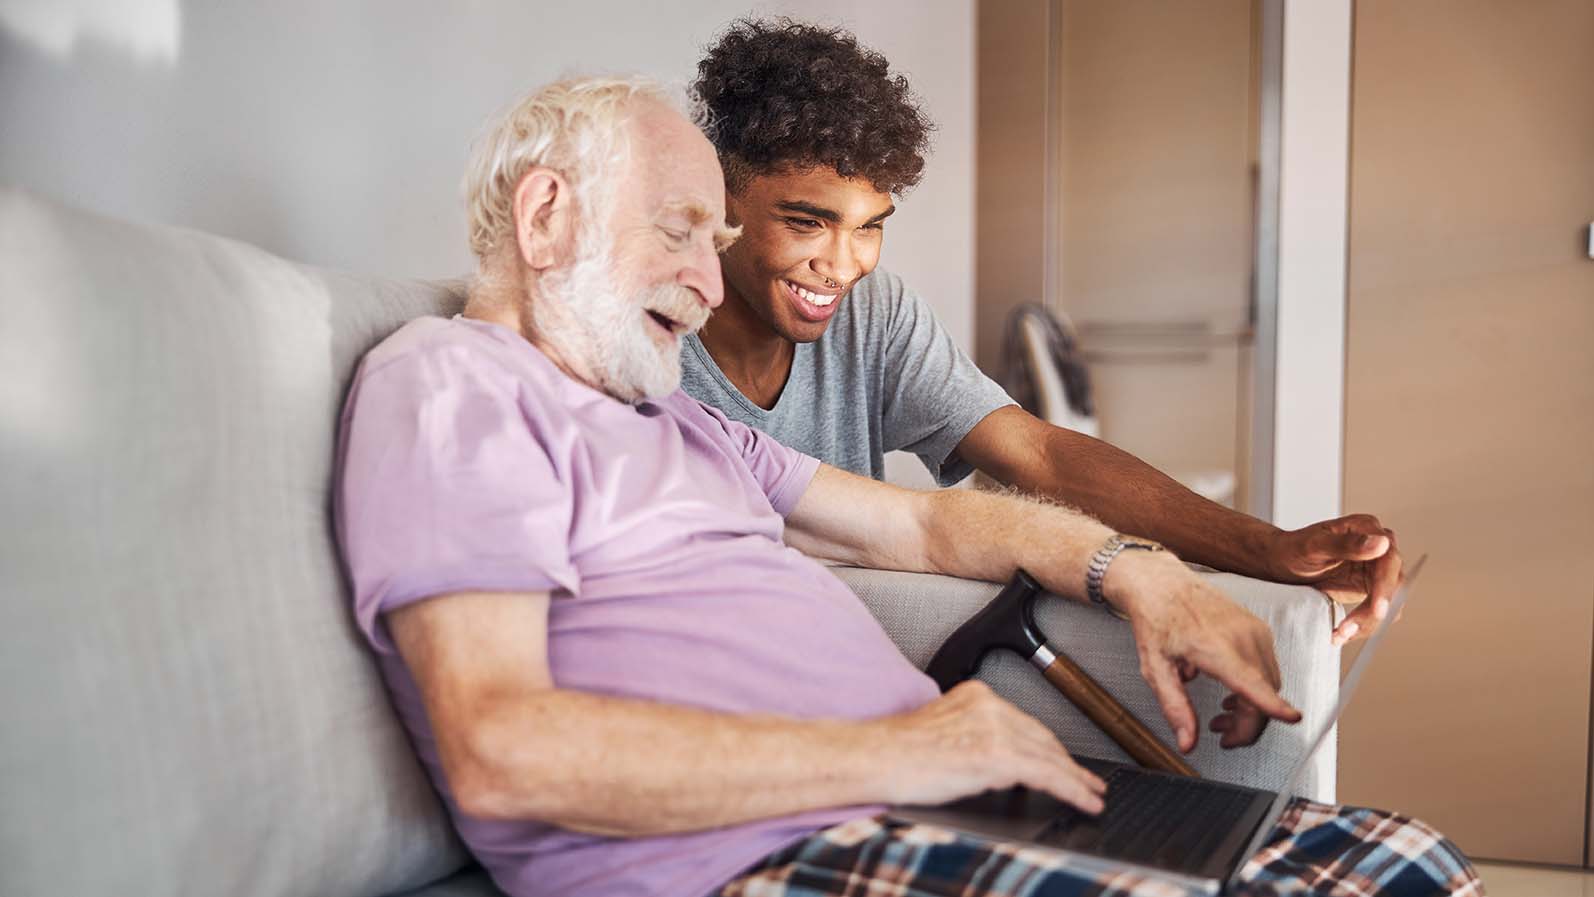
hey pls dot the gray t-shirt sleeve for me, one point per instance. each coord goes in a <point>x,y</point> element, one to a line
<point>933,394</point>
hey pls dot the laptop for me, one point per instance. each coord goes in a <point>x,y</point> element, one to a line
<point>1194,833</point>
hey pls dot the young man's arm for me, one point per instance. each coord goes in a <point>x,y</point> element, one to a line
<point>1180,622</point>
<point>1351,558</point>
<point>515,746</point>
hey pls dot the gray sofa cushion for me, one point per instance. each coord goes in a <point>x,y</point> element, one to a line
<point>187,708</point>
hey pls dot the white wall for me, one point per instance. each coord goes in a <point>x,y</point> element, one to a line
<point>336,133</point>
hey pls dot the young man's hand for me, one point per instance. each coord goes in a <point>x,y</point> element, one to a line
<point>971,740</point>
<point>1183,626</point>
<point>1353,560</point>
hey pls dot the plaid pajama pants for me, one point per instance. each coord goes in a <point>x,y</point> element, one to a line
<point>1315,850</point>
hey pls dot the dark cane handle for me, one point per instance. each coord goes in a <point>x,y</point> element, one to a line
<point>1113,718</point>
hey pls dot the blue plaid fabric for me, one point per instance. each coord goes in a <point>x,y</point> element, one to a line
<point>1316,850</point>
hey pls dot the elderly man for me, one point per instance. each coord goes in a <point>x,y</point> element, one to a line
<point>586,592</point>
<point>841,360</point>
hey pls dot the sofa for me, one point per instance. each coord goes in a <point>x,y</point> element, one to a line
<point>187,708</point>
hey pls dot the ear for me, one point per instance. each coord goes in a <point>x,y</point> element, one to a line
<point>544,229</point>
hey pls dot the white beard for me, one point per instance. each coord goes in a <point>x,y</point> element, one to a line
<point>583,312</point>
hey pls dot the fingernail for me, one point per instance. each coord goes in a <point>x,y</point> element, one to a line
<point>1381,608</point>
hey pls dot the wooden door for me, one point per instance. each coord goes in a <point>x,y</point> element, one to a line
<point>1470,413</point>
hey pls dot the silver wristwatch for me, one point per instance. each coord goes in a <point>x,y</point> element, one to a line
<point>1097,571</point>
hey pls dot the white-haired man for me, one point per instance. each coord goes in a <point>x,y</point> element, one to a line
<point>584,588</point>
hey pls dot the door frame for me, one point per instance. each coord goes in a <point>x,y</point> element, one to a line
<point>1298,410</point>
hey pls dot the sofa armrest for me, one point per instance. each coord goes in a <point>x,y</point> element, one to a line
<point>919,611</point>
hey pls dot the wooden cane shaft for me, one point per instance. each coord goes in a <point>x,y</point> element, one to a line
<point>1113,718</point>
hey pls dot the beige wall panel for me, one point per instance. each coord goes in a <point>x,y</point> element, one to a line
<point>1156,149</point>
<point>1179,417</point>
<point>1470,413</point>
<point>1156,207</point>
<point>1010,197</point>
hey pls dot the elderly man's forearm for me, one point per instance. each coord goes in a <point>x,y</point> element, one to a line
<point>983,535</point>
<point>628,768</point>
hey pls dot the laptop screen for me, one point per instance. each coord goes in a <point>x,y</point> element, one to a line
<point>1347,687</point>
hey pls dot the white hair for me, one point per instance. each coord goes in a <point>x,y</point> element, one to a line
<point>576,127</point>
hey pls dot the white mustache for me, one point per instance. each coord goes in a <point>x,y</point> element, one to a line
<point>680,305</point>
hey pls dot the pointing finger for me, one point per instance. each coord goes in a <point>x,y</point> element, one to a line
<point>1250,685</point>
<point>1163,678</point>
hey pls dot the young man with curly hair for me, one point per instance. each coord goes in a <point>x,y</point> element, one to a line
<point>840,359</point>
<point>833,356</point>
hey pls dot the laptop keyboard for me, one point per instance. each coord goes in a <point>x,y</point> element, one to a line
<point>1155,820</point>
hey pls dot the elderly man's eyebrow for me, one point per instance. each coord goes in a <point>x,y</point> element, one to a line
<point>698,214</point>
<point>694,212</point>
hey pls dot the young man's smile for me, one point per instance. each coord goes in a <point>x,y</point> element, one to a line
<point>815,305</point>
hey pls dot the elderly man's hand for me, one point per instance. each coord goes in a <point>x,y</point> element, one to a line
<point>971,740</point>
<point>1183,626</point>
<point>1353,560</point>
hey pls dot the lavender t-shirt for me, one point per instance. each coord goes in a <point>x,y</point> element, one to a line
<point>469,462</point>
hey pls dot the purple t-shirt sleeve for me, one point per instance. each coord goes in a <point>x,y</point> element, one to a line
<point>446,487</point>
<point>782,473</point>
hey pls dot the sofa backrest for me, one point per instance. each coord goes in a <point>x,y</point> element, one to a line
<point>185,704</point>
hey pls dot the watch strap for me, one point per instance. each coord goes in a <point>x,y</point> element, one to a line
<point>1096,571</point>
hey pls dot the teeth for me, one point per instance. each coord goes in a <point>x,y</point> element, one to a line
<point>815,298</point>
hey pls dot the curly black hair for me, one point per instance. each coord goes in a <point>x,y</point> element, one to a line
<point>779,93</point>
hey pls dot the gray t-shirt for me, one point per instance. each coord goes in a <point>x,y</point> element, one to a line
<point>885,376</point>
